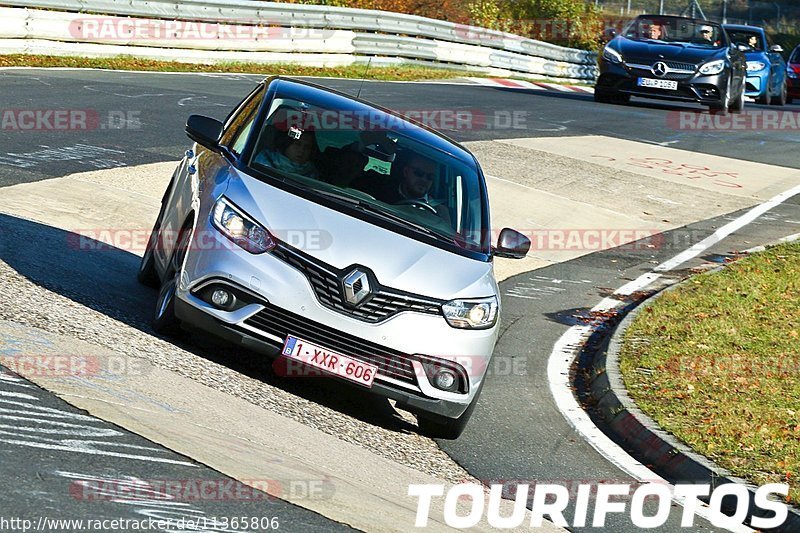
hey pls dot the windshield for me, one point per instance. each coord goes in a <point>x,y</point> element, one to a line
<point>750,39</point>
<point>376,163</point>
<point>677,30</point>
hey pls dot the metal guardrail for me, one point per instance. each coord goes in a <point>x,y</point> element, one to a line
<point>358,32</point>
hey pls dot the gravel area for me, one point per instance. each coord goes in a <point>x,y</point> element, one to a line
<point>346,413</point>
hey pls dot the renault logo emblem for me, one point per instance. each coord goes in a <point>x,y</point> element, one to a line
<point>356,287</point>
<point>660,69</point>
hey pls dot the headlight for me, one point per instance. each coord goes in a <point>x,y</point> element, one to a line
<point>714,67</point>
<point>755,66</point>
<point>479,313</point>
<point>792,73</point>
<point>239,228</point>
<point>612,55</point>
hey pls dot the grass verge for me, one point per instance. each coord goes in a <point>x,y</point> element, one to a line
<point>716,363</point>
<point>403,73</point>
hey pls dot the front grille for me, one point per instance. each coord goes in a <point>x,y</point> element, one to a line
<point>326,282</point>
<point>642,68</point>
<point>280,322</point>
<point>681,66</point>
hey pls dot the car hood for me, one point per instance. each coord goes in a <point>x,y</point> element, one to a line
<point>341,240</point>
<point>684,53</point>
<point>757,56</point>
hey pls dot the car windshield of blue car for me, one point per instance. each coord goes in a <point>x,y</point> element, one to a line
<point>680,31</point>
<point>752,40</point>
<point>376,163</point>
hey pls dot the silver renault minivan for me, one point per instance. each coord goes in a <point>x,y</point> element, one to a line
<point>340,238</point>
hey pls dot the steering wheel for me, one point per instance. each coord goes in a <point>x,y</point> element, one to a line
<point>419,204</point>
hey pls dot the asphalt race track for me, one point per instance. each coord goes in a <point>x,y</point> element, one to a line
<point>517,434</point>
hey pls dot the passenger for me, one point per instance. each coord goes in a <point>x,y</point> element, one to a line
<point>752,42</point>
<point>294,153</point>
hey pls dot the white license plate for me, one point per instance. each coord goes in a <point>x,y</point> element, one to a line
<point>331,362</point>
<point>658,84</point>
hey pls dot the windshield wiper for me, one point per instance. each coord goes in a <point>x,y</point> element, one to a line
<point>375,210</point>
<point>368,207</point>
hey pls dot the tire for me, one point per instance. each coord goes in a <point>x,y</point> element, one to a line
<point>164,320</point>
<point>722,106</point>
<point>781,98</point>
<point>602,98</point>
<point>737,106</point>
<point>442,427</point>
<point>622,99</point>
<point>765,98</point>
<point>147,274</point>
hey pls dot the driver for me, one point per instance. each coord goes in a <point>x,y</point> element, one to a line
<point>705,33</point>
<point>416,177</point>
<point>656,31</point>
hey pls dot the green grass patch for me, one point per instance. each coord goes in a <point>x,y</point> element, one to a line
<point>716,362</point>
<point>403,72</point>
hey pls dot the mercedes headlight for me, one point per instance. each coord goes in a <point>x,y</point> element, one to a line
<point>240,228</point>
<point>713,67</point>
<point>479,313</point>
<point>612,55</point>
<point>755,66</point>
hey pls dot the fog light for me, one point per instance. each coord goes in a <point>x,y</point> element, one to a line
<point>444,379</point>
<point>221,298</point>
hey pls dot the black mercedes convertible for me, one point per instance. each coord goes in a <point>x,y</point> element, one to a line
<point>673,58</point>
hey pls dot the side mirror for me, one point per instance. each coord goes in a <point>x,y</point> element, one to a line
<point>512,244</point>
<point>204,130</point>
<point>776,48</point>
<point>609,34</point>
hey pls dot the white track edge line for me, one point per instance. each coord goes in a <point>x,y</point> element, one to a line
<point>563,355</point>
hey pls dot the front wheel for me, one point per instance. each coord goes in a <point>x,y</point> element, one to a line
<point>147,274</point>
<point>780,99</point>
<point>164,321</point>
<point>724,104</point>
<point>737,105</point>
<point>611,98</point>
<point>442,427</point>
<point>764,98</point>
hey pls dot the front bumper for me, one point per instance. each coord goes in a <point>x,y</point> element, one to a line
<point>285,303</point>
<point>793,87</point>
<point>622,79</point>
<point>756,85</point>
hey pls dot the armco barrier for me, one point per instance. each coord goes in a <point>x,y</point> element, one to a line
<point>357,32</point>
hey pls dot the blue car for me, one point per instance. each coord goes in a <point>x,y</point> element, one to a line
<point>766,69</point>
